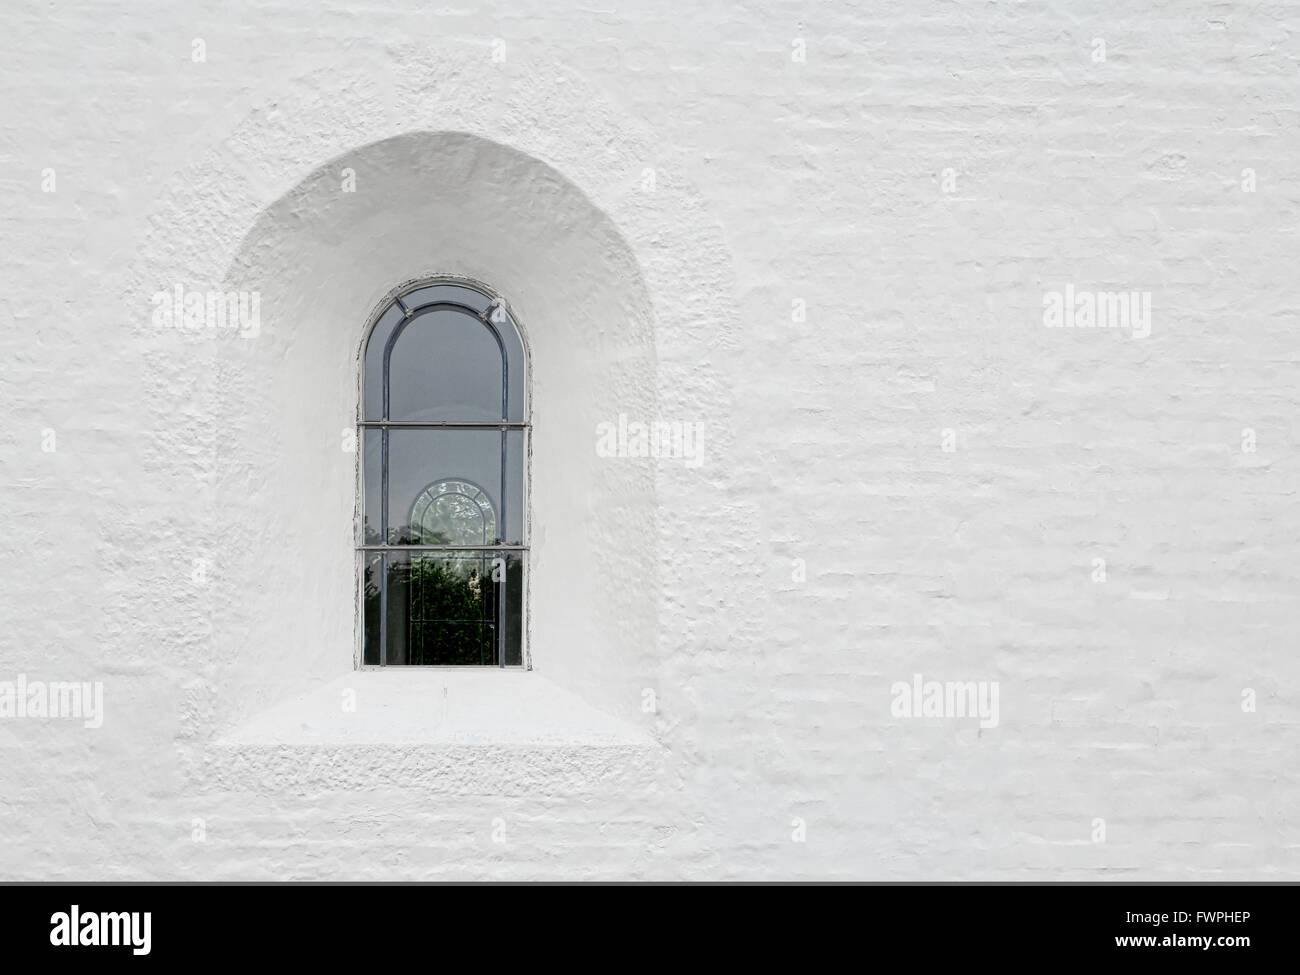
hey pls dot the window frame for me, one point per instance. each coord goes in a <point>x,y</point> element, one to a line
<point>496,315</point>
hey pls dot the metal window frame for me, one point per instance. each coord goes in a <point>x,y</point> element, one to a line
<point>489,318</point>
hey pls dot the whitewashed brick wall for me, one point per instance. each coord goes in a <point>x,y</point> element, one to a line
<point>839,223</point>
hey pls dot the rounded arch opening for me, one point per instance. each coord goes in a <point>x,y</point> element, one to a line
<point>434,207</point>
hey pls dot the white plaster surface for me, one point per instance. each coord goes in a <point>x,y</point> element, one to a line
<point>425,706</point>
<point>656,190</point>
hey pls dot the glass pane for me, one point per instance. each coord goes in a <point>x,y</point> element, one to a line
<point>443,608</point>
<point>373,380</point>
<point>514,622</point>
<point>445,365</point>
<point>370,621</point>
<point>516,445</point>
<point>444,486</point>
<point>372,486</point>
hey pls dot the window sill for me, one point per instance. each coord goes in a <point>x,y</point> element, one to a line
<point>457,707</point>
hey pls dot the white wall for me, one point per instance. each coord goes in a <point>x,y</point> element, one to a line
<point>656,198</point>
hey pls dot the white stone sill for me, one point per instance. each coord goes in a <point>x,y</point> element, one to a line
<point>405,706</point>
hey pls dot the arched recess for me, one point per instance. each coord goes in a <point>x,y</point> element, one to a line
<point>323,257</point>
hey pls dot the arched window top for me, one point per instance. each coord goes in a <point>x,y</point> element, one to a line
<point>445,353</point>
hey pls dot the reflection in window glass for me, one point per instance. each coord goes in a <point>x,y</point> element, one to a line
<point>446,365</point>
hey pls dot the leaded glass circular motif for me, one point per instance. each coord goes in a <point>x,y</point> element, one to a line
<point>453,512</point>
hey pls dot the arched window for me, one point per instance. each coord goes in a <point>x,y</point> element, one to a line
<point>444,429</point>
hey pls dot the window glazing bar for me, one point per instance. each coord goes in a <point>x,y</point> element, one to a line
<point>433,424</point>
<point>444,548</point>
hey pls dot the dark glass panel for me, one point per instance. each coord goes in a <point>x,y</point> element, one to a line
<point>443,609</point>
<point>445,366</point>
<point>514,621</point>
<point>464,462</point>
<point>370,621</point>
<point>372,486</point>
<point>374,372</point>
